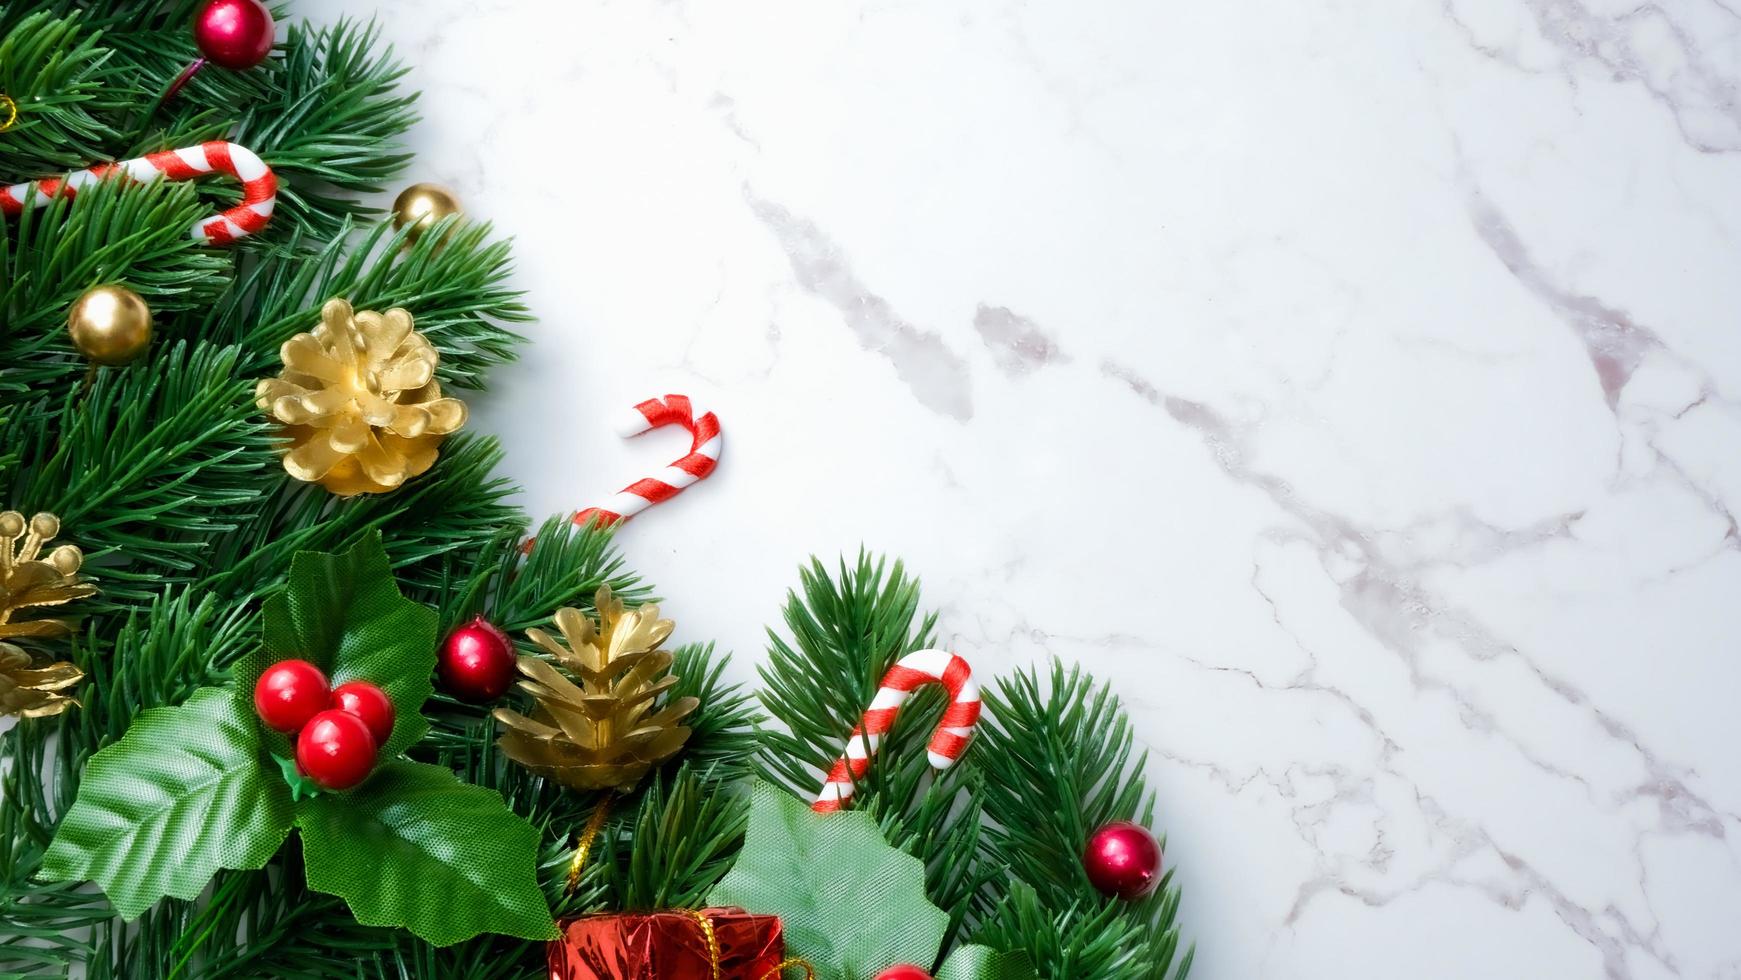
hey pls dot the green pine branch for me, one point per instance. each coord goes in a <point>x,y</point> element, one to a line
<point>1059,763</point>
<point>454,280</point>
<point>112,232</point>
<point>847,630</point>
<point>67,89</point>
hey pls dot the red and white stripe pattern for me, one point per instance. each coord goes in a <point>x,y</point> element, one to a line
<point>259,186</point>
<point>910,673</point>
<point>667,483</point>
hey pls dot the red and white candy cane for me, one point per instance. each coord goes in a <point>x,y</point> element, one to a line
<point>910,673</point>
<point>259,186</point>
<point>667,483</point>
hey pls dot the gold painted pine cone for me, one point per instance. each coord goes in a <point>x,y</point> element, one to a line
<point>596,723</point>
<point>359,401</point>
<point>30,581</point>
<point>34,692</point>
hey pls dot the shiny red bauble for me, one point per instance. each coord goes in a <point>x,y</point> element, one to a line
<point>336,750</point>
<point>903,972</point>
<point>1123,859</point>
<point>369,703</point>
<point>235,34</point>
<point>476,662</point>
<point>289,693</point>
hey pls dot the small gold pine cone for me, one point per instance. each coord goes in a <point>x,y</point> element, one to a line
<point>34,693</point>
<point>596,723</point>
<point>29,581</point>
<point>359,401</point>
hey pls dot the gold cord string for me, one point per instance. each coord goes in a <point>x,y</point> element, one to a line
<point>9,109</point>
<point>712,940</point>
<point>780,971</point>
<point>583,846</point>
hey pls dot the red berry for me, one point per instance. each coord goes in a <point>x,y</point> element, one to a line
<point>476,662</point>
<point>903,972</point>
<point>289,693</point>
<point>335,749</point>
<point>369,703</point>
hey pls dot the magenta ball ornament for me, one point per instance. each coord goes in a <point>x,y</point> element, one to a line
<point>1123,859</point>
<point>234,34</point>
<point>476,662</point>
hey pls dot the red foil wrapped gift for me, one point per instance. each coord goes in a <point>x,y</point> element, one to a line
<point>668,946</point>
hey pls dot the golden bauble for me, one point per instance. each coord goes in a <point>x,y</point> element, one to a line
<point>110,324</point>
<point>422,205</point>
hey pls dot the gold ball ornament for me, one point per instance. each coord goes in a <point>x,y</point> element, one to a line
<point>110,324</point>
<point>421,205</point>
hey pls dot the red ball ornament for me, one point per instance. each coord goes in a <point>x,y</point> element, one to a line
<point>336,750</point>
<point>289,693</point>
<point>234,34</point>
<point>905,971</point>
<point>476,662</point>
<point>369,703</point>
<point>1123,859</point>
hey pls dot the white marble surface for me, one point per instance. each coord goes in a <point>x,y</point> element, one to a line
<point>1354,383</point>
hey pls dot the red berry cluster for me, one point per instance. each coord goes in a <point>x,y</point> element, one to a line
<point>339,731</point>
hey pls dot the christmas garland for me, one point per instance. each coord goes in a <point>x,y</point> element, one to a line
<point>293,688</point>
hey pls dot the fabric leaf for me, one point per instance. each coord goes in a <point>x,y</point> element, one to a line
<point>414,847</point>
<point>181,795</point>
<point>851,904</point>
<point>344,614</point>
<point>985,963</point>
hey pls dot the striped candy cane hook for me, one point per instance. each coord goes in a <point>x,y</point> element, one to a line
<point>259,186</point>
<point>910,673</point>
<point>667,483</point>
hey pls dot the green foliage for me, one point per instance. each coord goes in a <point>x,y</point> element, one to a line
<point>65,85</point>
<point>334,121</point>
<point>847,631</point>
<point>850,904</point>
<point>565,566</point>
<point>985,963</point>
<point>453,280</point>
<point>722,737</point>
<point>680,841</point>
<point>180,796</point>
<point>1058,763</point>
<point>415,847</point>
<point>148,465</point>
<point>111,232</point>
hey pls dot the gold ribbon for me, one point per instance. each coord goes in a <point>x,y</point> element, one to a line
<point>9,109</point>
<point>712,940</point>
<point>583,846</point>
<point>713,953</point>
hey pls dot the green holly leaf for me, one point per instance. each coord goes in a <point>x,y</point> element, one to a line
<point>850,904</point>
<point>415,847</point>
<point>985,963</point>
<point>344,614</point>
<point>181,795</point>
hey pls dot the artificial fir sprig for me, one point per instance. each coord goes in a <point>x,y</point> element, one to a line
<point>69,87</point>
<point>846,631</point>
<point>111,231</point>
<point>1057,756</point>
